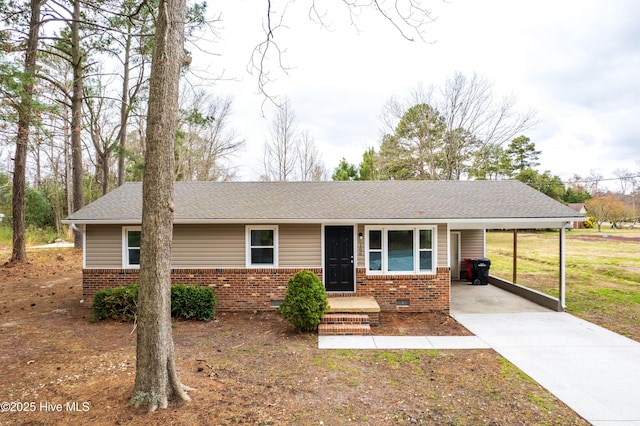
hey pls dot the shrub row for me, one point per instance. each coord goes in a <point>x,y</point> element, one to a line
<point>121,303</point>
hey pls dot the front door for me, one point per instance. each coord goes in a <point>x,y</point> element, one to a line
<point>338,258</point>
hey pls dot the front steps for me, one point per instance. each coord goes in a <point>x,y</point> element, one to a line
<point>343,324</point>
<point>350,316</point>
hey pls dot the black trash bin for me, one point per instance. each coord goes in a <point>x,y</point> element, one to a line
<point>480,271</point>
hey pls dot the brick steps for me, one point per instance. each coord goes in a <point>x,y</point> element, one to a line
<point>344,330</point>
<point>344,324</point>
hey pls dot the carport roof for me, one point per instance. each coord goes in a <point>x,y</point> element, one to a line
<point>470,204</point>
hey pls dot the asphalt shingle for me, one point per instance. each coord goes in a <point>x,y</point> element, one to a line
<point>311,201</point>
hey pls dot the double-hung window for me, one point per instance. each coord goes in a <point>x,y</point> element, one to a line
<point>400,250</point>
<point>131,247</point>
<point>262,246</point>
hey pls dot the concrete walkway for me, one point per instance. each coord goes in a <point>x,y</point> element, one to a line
<point>401,342</point>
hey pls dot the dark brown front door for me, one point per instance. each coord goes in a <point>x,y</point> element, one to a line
<point>338,258</point>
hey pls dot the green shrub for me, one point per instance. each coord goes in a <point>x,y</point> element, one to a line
<point>192,302</point>
<point>118,303</point>
<point>121,303</point>
<point>305,301</point>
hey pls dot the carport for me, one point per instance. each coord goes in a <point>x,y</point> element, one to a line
<point>539,298</point>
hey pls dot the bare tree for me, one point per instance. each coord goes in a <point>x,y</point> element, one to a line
<point>101,120</point>
<point>593,182</point>
<point>310,165</point>
<point>280,151</point>
<point>469,103</point>
<point>206,142</point>
<point>473,119</point>
<point>628,180</point>
<point>409,17</point>
<point>156,375</point>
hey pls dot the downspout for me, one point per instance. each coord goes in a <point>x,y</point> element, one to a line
<point>74,228</point>
<point>80,231</point>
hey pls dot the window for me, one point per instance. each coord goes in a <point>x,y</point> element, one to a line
<point>400,250</point>
<point>262,246</point>
<point>375,250</point>
<point>426,250</point>
<point>131,247</point>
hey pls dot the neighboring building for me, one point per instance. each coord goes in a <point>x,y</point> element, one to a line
<point>580,208</point>
<point>401,242</point>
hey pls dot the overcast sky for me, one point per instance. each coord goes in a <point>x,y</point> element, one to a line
<point>577,63</point>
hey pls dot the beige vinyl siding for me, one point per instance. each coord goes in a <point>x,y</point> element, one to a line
<point>300,246</point>
<point>471,244</point>
<point>103,246</point>
<point>223,246</point>
<point>208,246</point>
<point>443,255</point>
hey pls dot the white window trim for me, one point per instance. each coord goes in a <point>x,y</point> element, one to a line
<point>248,230</point>
<point>125,247</point>
<point>416,249</point>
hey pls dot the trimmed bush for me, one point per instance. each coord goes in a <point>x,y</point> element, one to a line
<point>118,303</point>
<point>305,301</point>
<point>192,302</point>
<point>121,303</point>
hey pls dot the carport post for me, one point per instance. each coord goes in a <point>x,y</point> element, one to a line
<point>561,304</point>
<point>515,256</point>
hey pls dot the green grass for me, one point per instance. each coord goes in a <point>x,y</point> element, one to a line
<point>34,236</point>
<point>602,274</point>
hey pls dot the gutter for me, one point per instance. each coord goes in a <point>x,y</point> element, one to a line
<point>475,223</point>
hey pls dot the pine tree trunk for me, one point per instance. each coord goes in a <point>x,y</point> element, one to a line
<point>124,112</point>
<point>19,250</point>
<point>156,376</point>
<point>76,119</point>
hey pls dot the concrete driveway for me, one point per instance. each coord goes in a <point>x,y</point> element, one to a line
<point>594,371</point>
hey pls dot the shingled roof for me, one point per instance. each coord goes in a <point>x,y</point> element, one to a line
<point>332,202</point>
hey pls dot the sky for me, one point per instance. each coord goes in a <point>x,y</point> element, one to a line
<point>576,63</point>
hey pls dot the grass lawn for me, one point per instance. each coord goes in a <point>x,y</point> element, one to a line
<point>602,271</point>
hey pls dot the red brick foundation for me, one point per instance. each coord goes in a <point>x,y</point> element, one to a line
<point>257,289</point>
<point>407,293</point>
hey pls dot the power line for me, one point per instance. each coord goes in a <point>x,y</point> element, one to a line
<point>602,180</point>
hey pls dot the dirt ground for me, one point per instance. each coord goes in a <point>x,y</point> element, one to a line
<point>59,367</point>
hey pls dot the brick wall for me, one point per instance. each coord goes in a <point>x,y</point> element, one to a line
<point>236,289</point>
<point>254,289</point>
<point>407,293</point>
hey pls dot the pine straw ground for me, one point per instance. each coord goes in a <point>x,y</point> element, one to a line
<point>59,367</point>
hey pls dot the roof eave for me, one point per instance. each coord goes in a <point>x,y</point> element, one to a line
<point>461,223</point>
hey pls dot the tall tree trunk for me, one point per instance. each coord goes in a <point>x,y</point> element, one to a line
<point>19,250</point>
<point>76,119</point>
<point>68,181</point>
<point>156,376</point>
<point>124,112</point>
